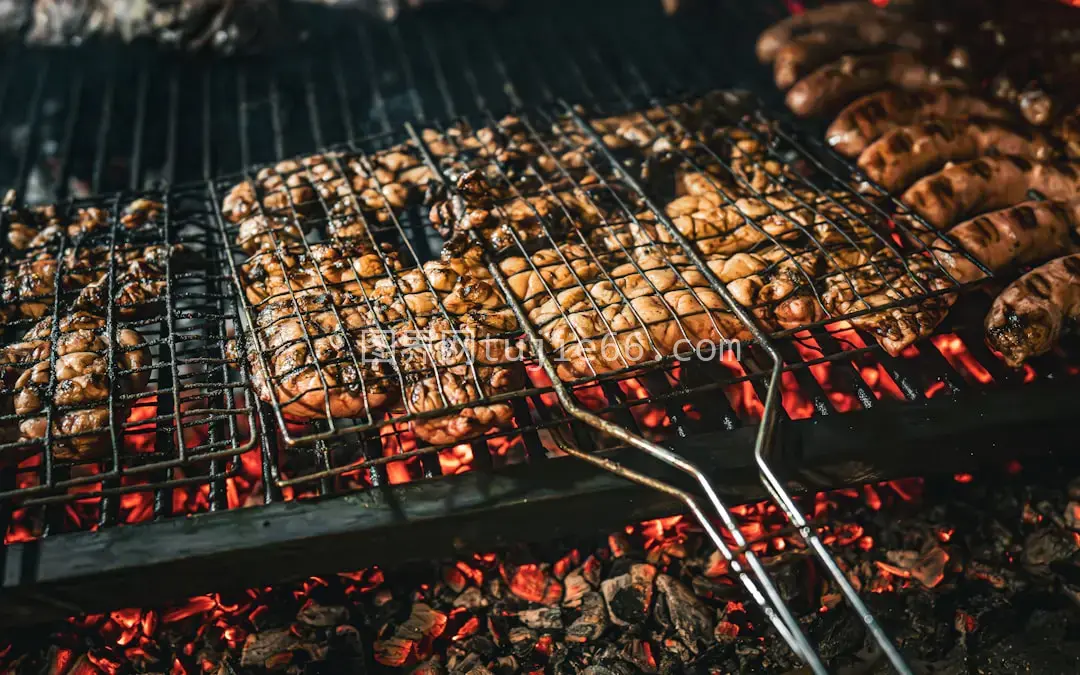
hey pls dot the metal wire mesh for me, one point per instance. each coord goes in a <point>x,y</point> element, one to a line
<point>114,373</point>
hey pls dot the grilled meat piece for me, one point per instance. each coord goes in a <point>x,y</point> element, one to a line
<point>80,387</point>
<point>803,53</point>
<point>511,150</point>
<point>352,192</point>
<point>1027,319</point>
<point>36,227</point>
<point>140,280</point>
<point>1029,232</point>
<point>718,227</point>
<point>987,184</point>
<point>456,287</point>
<point>452,347</point>
<point>773,39</point>
<point>347,352</point>
<point>28,287</point>
<point>866,119</point>
<point>446,365</point>
<point>649,307</point>
<point>503,217</point>
<point>324,355</point>
<point>904,154</point>
<point>891,280</point>
<point>783,283</point>
<point>836,84</point>
<point>192,25</point>
<point>316,268</point>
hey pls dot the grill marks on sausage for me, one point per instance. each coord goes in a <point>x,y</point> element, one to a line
<point>987,184</point>
<point>902,155</point>
<point>1029,316</point>
<point>868,118</point>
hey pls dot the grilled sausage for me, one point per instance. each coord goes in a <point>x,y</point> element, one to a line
<point>986,184</point>
<point>1029,232</point>
<point>902,155</point>
<point>866,119</point>
<point>1027,319</point>
<point>962,190</point>
<point>803,53</point>
<point>780,33</point>
<point>835,84</point>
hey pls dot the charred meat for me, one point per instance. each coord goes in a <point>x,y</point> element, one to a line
<point>1029,316</point>
<point>66,371</point>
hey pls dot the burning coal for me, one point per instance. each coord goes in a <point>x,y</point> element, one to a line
<point>956,569</point>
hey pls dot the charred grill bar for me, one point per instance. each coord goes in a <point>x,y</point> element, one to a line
<point>368,492</point>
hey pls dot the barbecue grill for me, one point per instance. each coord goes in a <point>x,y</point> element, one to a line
<point>161,516</point>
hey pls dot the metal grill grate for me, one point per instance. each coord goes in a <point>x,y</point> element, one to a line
<point>81,129</point>
<point>155,309</point>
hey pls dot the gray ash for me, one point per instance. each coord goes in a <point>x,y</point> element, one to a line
<point>966,574</point>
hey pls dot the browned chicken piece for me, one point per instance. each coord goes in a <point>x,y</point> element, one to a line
<point>260,233</point>
<point>504,218</point>
<point>374,333</point>
<point>963,190</point>
<point>892,280</point>
<point>318,356</point>
<point>350,191</point>
<point>453,346</point>
<point>36,227</point>
<point>316,268</point>
<point>141,212</point>
<point>906,153</point>
<point>139,282</point>
<point>1027,233</point>
<point>78,389</point>
<point>636,312</point>
<point>865,120</point>
<point>784,283</point>
<point>458,286</point>
<point>1029,316</point>
<point>448,365</point>
<point>528,157</point>
<point>27,289</point>
<point>719,227</point>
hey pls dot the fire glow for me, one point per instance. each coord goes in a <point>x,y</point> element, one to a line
<point>202,633</point>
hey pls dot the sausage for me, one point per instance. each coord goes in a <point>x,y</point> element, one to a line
<point>867,118</point>
<point>835,84</point>
<point>902,155</point>
<point>804,53</point>
<point>1029,232</point>
<point>1027,319</point>
<point>777,35</point>
<point>986,184</point>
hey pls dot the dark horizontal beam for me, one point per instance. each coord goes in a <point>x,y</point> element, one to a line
<point>154,562</point>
